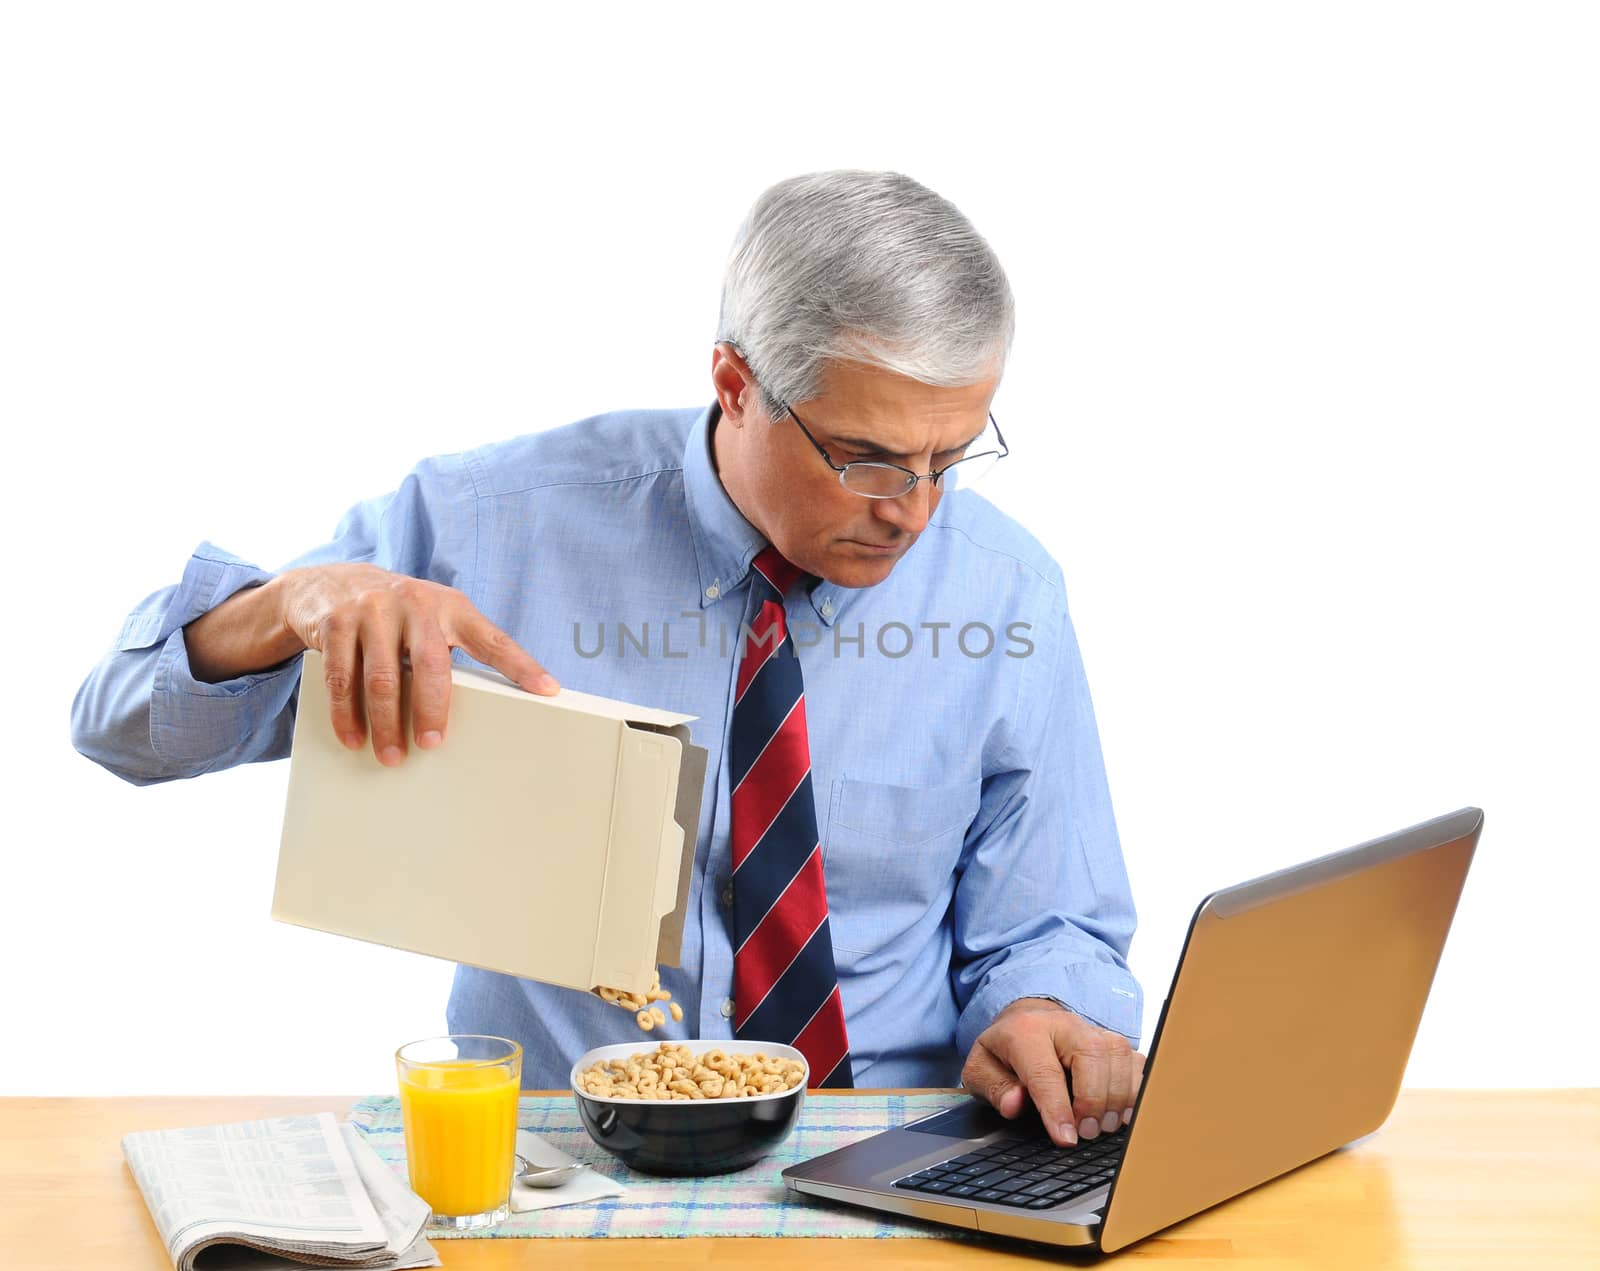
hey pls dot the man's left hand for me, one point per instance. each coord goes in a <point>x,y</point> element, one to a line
<point>1027,1053</point>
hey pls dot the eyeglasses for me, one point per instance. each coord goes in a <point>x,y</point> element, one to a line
<point>874,480</point>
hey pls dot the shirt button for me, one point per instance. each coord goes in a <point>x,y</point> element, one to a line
<point>727,896</point>
<point>727,1008</point>
<point>713,591</point>
<point>827,608</point>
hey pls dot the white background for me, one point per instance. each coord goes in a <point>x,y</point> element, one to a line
<point>1303,398</point>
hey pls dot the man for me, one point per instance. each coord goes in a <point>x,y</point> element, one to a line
<point>881,665</point>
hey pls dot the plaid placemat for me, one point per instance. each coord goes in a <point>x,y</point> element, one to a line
<point>752,1202</point>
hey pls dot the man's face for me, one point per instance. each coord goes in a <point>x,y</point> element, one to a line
<point>782,486</point>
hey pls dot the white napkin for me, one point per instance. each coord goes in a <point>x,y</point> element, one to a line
<point>585,1185</point>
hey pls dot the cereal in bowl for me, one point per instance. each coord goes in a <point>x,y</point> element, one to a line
<point>673,1071</point>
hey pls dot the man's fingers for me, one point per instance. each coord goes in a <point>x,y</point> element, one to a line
<point>430,680</point>
<point>1102,1080</point>
<point>1119,1088</point>
<point>1084,1051</point>
<point>992,1082</point>
<point>1029,1047</point>
<point>1047,1087</point>
<point>341,674</point>
<point>380,685</point>
<point>493,647</point>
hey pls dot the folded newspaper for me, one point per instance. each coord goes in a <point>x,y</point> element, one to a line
<point>284,1192</point>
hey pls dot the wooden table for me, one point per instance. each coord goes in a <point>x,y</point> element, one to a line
<point>1456,1179</point>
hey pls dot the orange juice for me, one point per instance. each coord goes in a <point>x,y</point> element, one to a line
<point>461,1133</point>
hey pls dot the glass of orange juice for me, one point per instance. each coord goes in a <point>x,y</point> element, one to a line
<point>458,1098</point>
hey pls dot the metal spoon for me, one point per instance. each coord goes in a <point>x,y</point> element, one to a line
<point>545,1175</point>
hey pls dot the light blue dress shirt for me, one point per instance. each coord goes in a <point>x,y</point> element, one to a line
<point>969,847</point>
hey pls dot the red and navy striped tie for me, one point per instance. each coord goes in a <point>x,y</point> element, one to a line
<point>785,988</point>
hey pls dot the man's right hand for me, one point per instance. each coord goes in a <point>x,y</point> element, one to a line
<point>364,621</point>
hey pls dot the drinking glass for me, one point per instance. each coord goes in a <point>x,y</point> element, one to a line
<point>458,1099</point>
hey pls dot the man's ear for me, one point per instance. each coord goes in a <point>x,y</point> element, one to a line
<point>737,393</point>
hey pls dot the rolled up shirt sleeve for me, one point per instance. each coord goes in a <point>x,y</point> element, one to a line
<point>1043,907</point>
<point>143,716</point>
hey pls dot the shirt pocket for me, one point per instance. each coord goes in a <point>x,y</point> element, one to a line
<point>890,857</point>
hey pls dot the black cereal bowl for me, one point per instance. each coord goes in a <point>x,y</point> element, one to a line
<point>694,1136</point>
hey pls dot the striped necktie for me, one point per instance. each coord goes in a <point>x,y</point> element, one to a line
<point>785,988</point>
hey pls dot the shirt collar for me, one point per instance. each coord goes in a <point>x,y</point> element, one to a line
<point>724,542</point>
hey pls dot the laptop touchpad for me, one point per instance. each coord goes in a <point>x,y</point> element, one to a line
<point>974,1119</point>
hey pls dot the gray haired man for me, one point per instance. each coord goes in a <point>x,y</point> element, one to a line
<point>907,860</point>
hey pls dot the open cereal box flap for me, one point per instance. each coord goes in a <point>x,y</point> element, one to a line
<point>686,815</point>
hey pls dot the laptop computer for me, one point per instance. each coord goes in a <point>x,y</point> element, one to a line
<point>1284,1035</point>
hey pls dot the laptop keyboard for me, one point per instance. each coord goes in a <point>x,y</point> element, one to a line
<point>1027,1173</point>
